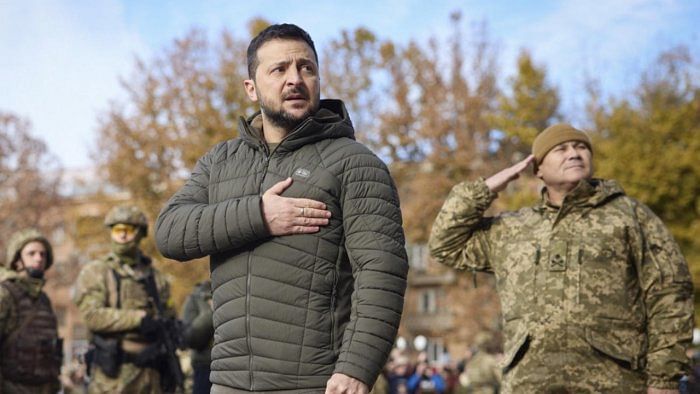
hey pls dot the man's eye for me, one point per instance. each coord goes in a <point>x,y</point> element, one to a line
<point>308,69</point>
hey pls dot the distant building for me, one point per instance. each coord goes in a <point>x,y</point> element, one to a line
<point>443,307</point>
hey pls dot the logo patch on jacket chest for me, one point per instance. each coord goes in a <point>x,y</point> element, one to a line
<point>302,172</point>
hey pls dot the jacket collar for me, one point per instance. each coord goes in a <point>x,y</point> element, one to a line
<point>330,121</point>
<point>589,193</point>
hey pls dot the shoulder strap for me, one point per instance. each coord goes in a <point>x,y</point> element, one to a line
<point>14,290</point>
<point>114,282</point>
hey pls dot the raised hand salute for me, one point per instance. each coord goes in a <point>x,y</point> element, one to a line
<point>497,182</point>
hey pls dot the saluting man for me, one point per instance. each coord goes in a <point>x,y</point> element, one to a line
<point>595,294</point>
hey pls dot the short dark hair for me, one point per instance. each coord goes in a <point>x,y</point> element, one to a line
<point>284,31</point>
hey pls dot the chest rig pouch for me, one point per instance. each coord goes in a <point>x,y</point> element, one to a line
<point>33,352</point>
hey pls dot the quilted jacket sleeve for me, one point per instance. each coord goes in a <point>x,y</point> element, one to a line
<point>376,247</point>
<point>189,227</point>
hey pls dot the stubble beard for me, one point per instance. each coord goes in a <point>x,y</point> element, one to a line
<point>284,119</point>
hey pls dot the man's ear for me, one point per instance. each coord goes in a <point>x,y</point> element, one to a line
<point>17,265</point>
<point>538,172</point>
<point>249,86</point>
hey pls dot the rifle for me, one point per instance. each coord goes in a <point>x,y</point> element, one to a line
<point>169,339</point>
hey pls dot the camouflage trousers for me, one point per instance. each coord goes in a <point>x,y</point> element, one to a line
<point>570,366</point>
<point>131,379</point>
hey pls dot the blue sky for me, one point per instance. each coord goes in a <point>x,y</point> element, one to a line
<point>60,61</point>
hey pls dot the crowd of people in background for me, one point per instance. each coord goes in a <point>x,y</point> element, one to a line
<point>477,372</point>
<point>402,374</point>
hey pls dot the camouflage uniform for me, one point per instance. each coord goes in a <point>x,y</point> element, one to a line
<point>30,347</point>
<point>595,295</point>
<point>482,373</point>
<point>111,300</point>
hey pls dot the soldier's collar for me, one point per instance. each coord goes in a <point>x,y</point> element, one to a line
<point>32,286</point>
<point>580,195</point>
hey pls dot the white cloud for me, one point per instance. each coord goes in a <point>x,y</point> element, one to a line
<point>61,65</point>
<point>612,41</point>
<point>61,59</point>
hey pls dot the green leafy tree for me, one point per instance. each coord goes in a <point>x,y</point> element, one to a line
<point>650,143</point>
<point>531,105</point>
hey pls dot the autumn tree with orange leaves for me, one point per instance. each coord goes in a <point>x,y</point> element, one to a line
<point>30,177</point>
<point>437,112</point>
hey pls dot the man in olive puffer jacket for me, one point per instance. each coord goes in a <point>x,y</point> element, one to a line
<point>303,228</point>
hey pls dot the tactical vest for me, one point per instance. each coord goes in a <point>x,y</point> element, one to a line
<point>32,353</point>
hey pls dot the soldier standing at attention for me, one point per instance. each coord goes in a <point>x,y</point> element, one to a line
<point>595,294</point>
<point>30,350</point>
<point>117,310</point>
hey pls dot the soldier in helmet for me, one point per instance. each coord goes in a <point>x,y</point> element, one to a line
<point>118,312</point>
<point>29,344</point>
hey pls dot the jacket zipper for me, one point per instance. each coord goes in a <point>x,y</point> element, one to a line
<point>535,272</point>
<point>266,161</point>
<point>247,323</point>
<point>580,268</point>
<point>266,165</point>
<point>333,328</point>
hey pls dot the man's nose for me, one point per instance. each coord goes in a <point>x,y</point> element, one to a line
<point>572,153</point>
<point>293,76</point>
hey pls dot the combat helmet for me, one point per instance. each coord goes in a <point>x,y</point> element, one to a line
<point>127,214</point>
<point>19,240</point>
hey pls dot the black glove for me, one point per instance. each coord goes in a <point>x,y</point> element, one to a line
<point>150,356</point>
<point>149,326</point>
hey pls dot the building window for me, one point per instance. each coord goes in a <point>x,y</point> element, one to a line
<point>418,256</point>
<point>436,351</point>
<point>427,302</point>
